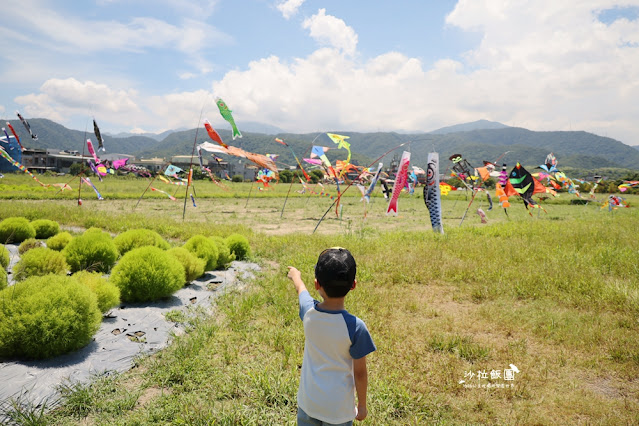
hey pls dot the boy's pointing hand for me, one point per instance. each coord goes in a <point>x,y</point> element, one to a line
<point>294,273</point>
<point>296,276</point>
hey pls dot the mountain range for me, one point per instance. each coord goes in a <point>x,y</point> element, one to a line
<point>477,141</point>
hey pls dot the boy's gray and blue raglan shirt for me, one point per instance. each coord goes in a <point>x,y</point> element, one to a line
<point>333,340</point>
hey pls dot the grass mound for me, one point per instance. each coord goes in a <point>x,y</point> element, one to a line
<point>239,246</point>
<point>147,273</point>
<point>28,244</point>
<point>204,248</point>
<point>135,238</point>
<point>5,257</point>
<point>59,241</point>
<point>193,265</point>
<point>43,317</point>
<point>15,230</point>
<point>45,228</point>
<point>92,251</point>
<point>224,253</point>
<point>40,261</point>
<point>107,293</point>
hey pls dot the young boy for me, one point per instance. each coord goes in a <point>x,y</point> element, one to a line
<point>336,345</point>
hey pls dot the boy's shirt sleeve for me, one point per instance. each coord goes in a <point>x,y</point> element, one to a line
<point>306,303</point>
<point>362,341</point>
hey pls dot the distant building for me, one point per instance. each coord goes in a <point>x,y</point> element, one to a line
<point>244,168</point>
<point>151,164</point>
<point>185,161</point>
<point>218,168</point>
<point>13,150</point>
<point>112,156</point>
<point>40,160</point>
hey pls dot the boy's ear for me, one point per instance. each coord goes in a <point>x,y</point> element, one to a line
<point>317,286</point>
<point>354,284</point>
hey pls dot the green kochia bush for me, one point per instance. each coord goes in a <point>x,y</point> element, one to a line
<point>94,251</point>
<point>224,253</point>
<point>239,246</point>
<point>42,317</point>
<point>3,279</point>
<point>40,261</point>
<point>59,241</point>
<point>135,238</point>
<point>28,244</point>
<point>147,273</point>
<point>15,230</point>
<point>193,265</point>
<point>204,248</point>
<point>5,257</point>
<point>107,293</point>
<point>45,228</point>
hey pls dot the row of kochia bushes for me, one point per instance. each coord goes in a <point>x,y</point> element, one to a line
<point>61,291</point>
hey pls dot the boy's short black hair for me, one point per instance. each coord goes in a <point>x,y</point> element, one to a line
<point>335,271</point>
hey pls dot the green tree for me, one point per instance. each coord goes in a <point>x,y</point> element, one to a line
<point>286,176</point>
<point>316,176</point>
<point>76,168</point>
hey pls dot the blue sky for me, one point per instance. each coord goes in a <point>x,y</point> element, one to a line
<point>306,65</point>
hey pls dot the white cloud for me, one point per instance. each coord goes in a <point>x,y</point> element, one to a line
<point>60,99</point>
<point>544,65</point>
<point>289,7</point>
<point>331,31</point>
<point>195,8</point>
<point>179,110</point>
<point>553,63</point>
<point>191,35</point>
<point>186,75</point>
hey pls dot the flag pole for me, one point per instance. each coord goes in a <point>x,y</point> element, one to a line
<point>82,163</point>
<point>467,208</point>
<point>346,189</point>
<point>147,188</point>
<point>250,190</point>
<point>190,176</point>
<point>278,140</point>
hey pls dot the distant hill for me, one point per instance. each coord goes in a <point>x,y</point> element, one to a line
<point>55,136</point>
<point>254,127</point>
<point>156,136</point>
<point>466,127</point>
<point>575,149</point>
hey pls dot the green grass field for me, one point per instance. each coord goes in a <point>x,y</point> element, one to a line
<point>555,294</point>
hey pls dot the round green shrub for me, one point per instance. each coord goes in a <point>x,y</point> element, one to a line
<point>4,280</point>
<point>40,261</point>
<point>47,316</point>
<point>93,251</point>
<point>15,230</point>
<point>45,228</point>
<point>5,257</point>
<point>147,273</point>
<point>94,230</point>
<point>239,246</point>
<point>224,253</point>
<point>59,241</point>
<point>204,248</point>
<point>135,238</point>
<point>107,293</point>
<point>193,265</point>
<point>28,244</point>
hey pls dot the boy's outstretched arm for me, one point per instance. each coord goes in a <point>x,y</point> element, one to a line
<point>361,384</point>
<point>296,276</point>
